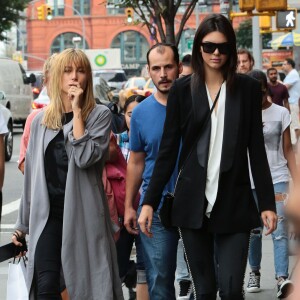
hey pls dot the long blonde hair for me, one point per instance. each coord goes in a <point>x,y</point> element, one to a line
<point>54,111</point>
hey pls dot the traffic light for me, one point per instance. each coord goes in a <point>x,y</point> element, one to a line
<point>41,12</point>
<point>246,5</point>
<point>286,19</point>
<point>265,22</point>
<point>48,12</point>
<point>129,14</point>
<point>270,5</point>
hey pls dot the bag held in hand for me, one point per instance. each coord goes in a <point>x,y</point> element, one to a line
<point>16,285</point>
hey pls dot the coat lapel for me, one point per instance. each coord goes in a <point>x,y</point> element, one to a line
<point>231,127</point>
<point>201,111</point>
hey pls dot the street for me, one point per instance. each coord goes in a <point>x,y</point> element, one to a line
<point>11,194</point>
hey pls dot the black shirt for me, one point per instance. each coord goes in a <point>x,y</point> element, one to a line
<point>56,169</point>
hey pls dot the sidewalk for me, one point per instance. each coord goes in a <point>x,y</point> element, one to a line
<point>268,283</point>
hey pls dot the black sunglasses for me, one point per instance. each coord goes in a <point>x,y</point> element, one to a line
<point>209,47</point>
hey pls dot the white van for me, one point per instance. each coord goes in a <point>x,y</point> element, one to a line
<point>17,88</point>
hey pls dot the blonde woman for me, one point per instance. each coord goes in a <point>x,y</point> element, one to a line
<point>63,206</point>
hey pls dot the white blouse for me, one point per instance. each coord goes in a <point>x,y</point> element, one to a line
<point>215,148</point>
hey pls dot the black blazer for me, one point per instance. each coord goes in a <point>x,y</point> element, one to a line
<point>234,209</point>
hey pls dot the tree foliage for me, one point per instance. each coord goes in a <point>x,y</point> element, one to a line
<point>160,17</point>
<point>9,14</point>
<point>244,36</point>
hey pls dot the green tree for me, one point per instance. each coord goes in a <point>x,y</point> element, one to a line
<point>244,36</point>
<point>160,17</point>
<point>9,14</point>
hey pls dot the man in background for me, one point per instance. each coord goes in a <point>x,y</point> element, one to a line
<point>280,94</point>
<point>186,65</point>
<point>245,61</point>
<point>292,83</point>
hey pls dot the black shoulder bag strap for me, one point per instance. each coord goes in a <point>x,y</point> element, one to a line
<point>198,136</point>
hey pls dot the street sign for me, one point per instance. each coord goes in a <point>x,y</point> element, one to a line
<point>190,44</point>
<point>286,19</point>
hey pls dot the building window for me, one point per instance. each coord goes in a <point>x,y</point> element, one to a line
<point>134,47</point>
<point>113,7</point>
<point>83,6</point>
<point>64,41</point>
<point>58,7</point>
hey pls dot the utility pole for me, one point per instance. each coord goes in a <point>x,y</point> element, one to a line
<point>256,43</point>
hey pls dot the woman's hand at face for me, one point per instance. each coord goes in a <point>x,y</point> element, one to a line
<point>75,94</point>
<point>145,220</point>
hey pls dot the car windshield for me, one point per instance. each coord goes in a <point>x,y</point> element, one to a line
<point>112,76</point>
<point>151,85</point>
<point>139,82</point>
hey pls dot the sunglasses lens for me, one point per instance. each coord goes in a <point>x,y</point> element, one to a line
<point>224,48</point>
<point>211,48</point>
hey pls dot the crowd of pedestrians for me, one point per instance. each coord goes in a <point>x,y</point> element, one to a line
<point>215,133</point>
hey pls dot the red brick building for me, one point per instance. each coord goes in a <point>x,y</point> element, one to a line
<point>99,25</point>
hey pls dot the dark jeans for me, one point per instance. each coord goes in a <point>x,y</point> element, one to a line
<point>124,246</point>
<point>48,261</point>
<point>229,250</point>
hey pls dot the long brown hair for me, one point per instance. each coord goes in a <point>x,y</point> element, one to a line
<point>54,111</point>
<point>214,22</point>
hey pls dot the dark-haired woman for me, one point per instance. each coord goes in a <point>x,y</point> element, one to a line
<point>213,207</point>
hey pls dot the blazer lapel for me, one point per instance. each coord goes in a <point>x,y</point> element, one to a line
<point>200,112</point>
<point>231,127</point>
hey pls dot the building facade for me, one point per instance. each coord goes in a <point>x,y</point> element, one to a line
<point>100,25</point>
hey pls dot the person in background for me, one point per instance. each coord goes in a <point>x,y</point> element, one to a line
<point>146,127</point>
<point>213,207</point>
<point>126,240</point>
<point>280,94</point>
<point>245,61</point>
<point>63,194</point>
<point>186,65</point>
<point>292,82</point>
<point>276,128</point>
<point>26,132</point>
<point>3,132</point>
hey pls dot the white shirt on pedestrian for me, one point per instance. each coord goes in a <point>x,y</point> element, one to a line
<point>293,79</point>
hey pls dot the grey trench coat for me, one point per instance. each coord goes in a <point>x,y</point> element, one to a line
<point>88,254</point>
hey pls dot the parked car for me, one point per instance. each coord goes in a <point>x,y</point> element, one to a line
<point>8,140</point>
<point>147,89</point>
<point>42,100</point>
<point>17,87</point>
<point>115,78</point>
<point>133,84</point>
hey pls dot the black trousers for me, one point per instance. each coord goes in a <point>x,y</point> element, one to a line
<point>48,261</point>
<point>207,254</point>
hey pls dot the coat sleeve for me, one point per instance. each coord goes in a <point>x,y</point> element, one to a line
<point>22,223</point>
<point>168,151</point>
<point>93,145</point>
<point>257,154</point>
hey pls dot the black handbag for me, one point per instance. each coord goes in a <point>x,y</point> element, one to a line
<point>165,213</point>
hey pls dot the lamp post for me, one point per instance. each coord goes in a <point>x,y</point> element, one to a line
<point>82,21</point>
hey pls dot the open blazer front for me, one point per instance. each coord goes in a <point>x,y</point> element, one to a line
<point>88,254</point>
<point>234,209</point>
